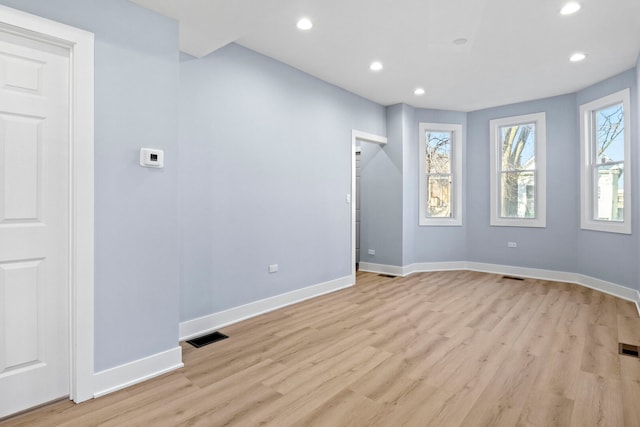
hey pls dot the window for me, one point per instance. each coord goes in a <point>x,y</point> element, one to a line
<point>518,171</point>
<point>440,174</point>
<point>605,168</point>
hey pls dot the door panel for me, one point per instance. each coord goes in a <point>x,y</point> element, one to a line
<point>34,221</point>
<point>20,177</point>
<point>20,284</point>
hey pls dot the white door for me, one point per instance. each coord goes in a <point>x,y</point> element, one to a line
<point>34,221</point>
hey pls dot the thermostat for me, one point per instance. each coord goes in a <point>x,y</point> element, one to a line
<point>151,158</point>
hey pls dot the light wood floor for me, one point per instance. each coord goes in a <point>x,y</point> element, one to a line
<point>441,349</point>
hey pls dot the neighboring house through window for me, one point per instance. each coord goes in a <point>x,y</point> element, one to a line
<point>518,171</point>
<point>605,168</point>
<point>440,174</point>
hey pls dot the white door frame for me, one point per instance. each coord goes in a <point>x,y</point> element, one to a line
<point>80,46</point>
<point>356,136</point>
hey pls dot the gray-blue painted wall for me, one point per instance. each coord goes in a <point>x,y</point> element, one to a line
<point>265,160</point>
<point>381,194</point>
<point>136,224</point>
<point>637,107</point>
<point>611,256</point>
<point>561,245</point>
<point>553,247</point>
<point>433,244</point>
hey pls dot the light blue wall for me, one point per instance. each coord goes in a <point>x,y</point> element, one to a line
<point>611,256</point>
<point>433,244</point>
<point>553,247</point>
<point>381,194</point>
<point>265,161</point>
<point>390,196</point>
<point>136,237</point>
<point>409,181</point>
<point>561,246</point>
<point>637,143</point>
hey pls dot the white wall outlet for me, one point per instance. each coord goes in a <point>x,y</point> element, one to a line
<point>347,199</point>
<point>512,245</point>
<point>371,252</point>
<point>273,268</point>
<point>151,158</point>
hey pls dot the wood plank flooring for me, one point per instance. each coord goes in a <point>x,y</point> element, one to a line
<point>431,349</point>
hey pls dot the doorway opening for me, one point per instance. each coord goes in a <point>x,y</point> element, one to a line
<point>357,140</point>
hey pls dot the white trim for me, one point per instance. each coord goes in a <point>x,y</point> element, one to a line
<point>135,372</point>
<point>532,273</point>
<point>367,137</point>
<point>456,174</point>
<point>202,325</point>
<point>81,47</point>
<point>391,270</point>
<point>436,266</point>
<point>357,135</point>
<point>558,276</point>
<point>586,180</point>
<point>540,199</point>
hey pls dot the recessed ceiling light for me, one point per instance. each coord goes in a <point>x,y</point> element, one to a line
<point>375,66</point>
<point>419,91</point>
<point>577,57</point>
<point>460,41</point>
<point>570,8</point>
<point>304,24</point>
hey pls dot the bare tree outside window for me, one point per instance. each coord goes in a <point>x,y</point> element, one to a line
<point>440,174</point>
<point>518,171</point>
<point>609,163</point>
<point>438,168</point>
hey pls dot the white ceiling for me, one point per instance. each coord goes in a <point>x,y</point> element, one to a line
<point>517,50</point>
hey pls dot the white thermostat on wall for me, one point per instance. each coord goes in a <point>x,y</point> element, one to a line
<point>151,158</point>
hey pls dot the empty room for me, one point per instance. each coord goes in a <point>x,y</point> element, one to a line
<point>319,213</point>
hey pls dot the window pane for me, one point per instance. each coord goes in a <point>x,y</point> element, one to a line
<point>438,152</point>
<point>610,134</point>
<point>518,147</point>
<point>610,193</point>
<point>518,195</point>
<point>439,196</point>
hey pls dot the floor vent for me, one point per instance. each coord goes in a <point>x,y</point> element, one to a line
<point>628,350</point>
<point>512,278</point>
<point>207,339</point>
<point>387,275</point>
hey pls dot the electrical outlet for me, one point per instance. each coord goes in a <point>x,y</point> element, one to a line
<point>273,268</point>
<point>372,252</point>
<point>512,245</point>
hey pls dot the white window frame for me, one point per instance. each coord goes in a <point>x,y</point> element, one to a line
<point>456,174</point>
<point>540,199</point>
<point>587,191</point>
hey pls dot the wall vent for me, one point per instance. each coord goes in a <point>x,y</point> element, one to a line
<point>628,349</point>
<point>207,339</point>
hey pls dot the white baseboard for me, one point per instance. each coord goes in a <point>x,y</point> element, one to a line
<point>558,276</point>
<point>391,270</point>
<point>424,267</point>
<point>532,273</point>
<point>202,325</point>
<point>122,376</point>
